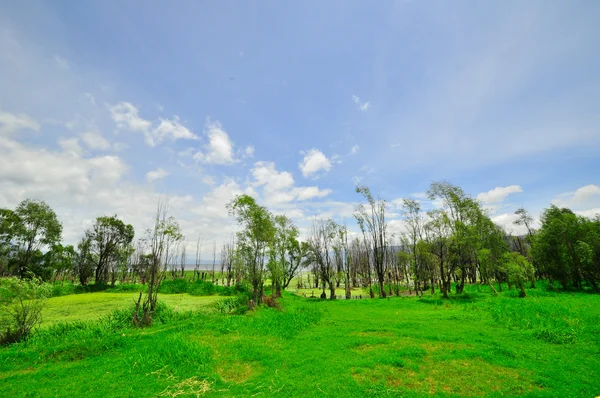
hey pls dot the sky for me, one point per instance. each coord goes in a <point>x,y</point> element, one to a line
<point>107,106</point>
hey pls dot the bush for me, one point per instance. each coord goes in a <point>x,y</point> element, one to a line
<point>21,304</point>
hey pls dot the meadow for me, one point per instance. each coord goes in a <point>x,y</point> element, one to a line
<point>475,344</point>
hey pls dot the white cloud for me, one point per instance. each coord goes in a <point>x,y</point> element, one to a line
<point>419,195</point>
<point>249,151</point>
<point>585,201</point>
<point>305,193</point>
<point>71,146</point>
<point>94,140</point>
<point>354,149</point>
<point>314,161</point>
<point>584,196</point>
<point>278,186</point>
<point>10,123</point>
<point>498,194</point>
<point>220,148</point>
<point>127,117</point>
<point>362,105</point>
<point>264,173</point>
<point>157,174</point>
<point>172,130</point>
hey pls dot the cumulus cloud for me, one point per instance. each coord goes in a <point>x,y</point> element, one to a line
<point>94,140</point>
<point>220,148</point>
<point>354,149</point>
<point>157,174</point>
<point>585,201</point>
<point>362,105</point>
<point>498,194</point>
<point>9,123</point>
<point>278,186</point>
<point>584,196</point>
<point>71,146</point>
<point>313,163</point>
<point>126,116</point>
<point>80,188</point>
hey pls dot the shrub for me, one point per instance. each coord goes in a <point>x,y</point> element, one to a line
<point>21,304</point>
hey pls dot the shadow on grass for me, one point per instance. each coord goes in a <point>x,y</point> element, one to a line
<point>462,298</point>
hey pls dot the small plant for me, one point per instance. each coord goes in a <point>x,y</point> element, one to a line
<point>21,304</point>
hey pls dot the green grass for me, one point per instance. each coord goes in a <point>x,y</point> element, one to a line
<point>546,345</point>
<point>91,306</point>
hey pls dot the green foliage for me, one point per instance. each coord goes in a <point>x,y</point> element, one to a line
<point>32,226</point>
<point>567,248</point>
<point>200,288</point>
<point>21,304</point>
<point>257,233</point>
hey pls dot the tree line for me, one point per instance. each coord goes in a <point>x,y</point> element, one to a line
<point>440,249</point>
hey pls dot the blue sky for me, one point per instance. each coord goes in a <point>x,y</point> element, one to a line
<point>106,105</point>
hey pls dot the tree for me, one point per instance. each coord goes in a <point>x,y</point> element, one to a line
<point>161,238</point>
<point>253,240</point>
<point>461,214</point>
<point>21,304</point>
<point>438,233</point>
<point>85,260</point>
<point>568,247</point>
<point>414,221</point>
<point>59,260</point>
<point>109,237</point>
<point>321,240</point>
<point>519,271</point>
<point>286,253</point>
<point>371,220</point>
<point>32,226</point>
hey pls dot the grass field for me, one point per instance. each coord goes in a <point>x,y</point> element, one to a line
<point>546,345</point>
<point>91,306</point>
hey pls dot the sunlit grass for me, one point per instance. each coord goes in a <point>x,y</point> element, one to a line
<point>471,345</point>
<point>90,306</point>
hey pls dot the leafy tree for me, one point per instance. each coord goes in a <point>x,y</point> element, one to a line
<point>109,237</point>
<point>568,247</point>
<point>85,260</point>
<point>519,271</point>
<point>287,253</point>
<point>59,260</point>
<point>24,231</point>
<point>257,233</point>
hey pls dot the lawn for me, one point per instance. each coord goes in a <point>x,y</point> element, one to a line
<point>546,345</point>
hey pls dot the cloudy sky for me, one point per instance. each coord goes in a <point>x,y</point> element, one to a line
<point>106,105</point>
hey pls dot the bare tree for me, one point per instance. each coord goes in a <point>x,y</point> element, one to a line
<point>183,260</point>
<point>198,258</point>
<point>371,220</point>
<point>162,237</point>
<point>321,238</point>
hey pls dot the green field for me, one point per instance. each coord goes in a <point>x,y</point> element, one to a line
<point>546,345</point>
<point>91,306</point>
